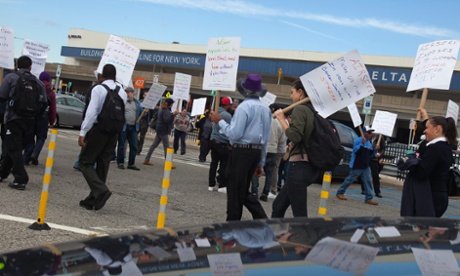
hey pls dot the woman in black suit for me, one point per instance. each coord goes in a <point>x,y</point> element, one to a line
<point>427,178</point>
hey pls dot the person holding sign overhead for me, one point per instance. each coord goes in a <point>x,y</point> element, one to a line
<point>425,191</point>
<point>300,172</point>
<point>248,135</point>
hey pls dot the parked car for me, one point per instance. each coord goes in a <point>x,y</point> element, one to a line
<point>347,137</point>
<point>69,111</point>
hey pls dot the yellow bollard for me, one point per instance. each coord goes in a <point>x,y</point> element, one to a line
<point>165,186</point>
<point>40,224</point>
<point>322,210</point>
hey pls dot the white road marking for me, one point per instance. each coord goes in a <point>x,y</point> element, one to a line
<point>54,226</point>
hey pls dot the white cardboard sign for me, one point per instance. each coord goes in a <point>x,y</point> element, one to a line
<point>354,114</point>
<point>182,86</point>
<point>384,122</point>
<point>6,47</point>
<point>38,52</point>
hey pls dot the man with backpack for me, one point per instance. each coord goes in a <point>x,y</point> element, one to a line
<point>104,119</point>
<point>26,97</point>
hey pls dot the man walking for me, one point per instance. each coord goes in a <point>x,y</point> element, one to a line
<point>97,145</point>
<point>19,126</point>
<point>359,167</point>
<point>248,135</point>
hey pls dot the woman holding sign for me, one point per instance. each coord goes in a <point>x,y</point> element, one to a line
<point>425,187</point>
<point>300,173</point>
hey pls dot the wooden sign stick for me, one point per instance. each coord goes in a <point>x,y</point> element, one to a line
<point>291,107</point>
<point>422,102</point>
<point>217,101</point>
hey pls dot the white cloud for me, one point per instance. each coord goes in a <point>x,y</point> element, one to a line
<point>244,8</point>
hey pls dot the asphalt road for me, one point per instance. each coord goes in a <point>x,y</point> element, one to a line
<point>135,204</point>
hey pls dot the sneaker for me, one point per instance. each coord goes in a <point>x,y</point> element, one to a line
<point>212,189</point>
<point>264,197</point>
<point>372,202</point>
<point>222,190</point>
<point>378,195</point>
<point>182,153</point>
<point>271,195</point>
<point>148,163</point>
<point>121,166</point>
<point>102,199</point>
<point>132,167</point>
<point>17,186</point>
<point>201,161</point>
<point>341,197</point>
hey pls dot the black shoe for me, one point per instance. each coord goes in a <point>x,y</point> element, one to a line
<point>133,168</point>
<point>17,186</point>
<point>102,199</point>
<point>121,166</point>
<point>182,153</point>
<point>85,204</point>
<point>378,195</point>
<point>34,160</point>
<point>201,161</point>
<point>264,197</point>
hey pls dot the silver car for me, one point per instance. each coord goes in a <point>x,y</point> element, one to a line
<point>69,111</point>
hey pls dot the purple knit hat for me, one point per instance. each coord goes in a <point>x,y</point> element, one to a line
<point>45,76</point>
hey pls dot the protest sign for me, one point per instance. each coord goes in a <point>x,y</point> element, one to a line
<point>436,262</point>
<point>384,122</point>
<point>354,113</point>
<point>153,96</point>
<point>221,67</point>
<point>434,65</point>
<point>226,264</point>
<point>338,83</point>
<point>122,55</point>
<point>182,86</point>
<point>268,99</point>
<point>38,52</point>
<point>6,47</point>
<point>452,111</point>
<point>198,106</point>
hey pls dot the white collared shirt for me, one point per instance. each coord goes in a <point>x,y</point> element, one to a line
<point>435,140</point>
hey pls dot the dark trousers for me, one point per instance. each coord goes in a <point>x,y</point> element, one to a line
<point>37,140</point>
<point>99,149</point>
<point>129,134</point>
<point>179,135</point>
<point>241,166</point>
<point>270,164</point>
<point>17,134</point>
<point>294,191</point>
<point>205,147</point>
<point>219,159</point>
<point>374,165</point>
<point>143,127</point>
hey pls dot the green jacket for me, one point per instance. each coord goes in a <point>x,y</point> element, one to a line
<point>301,128</point>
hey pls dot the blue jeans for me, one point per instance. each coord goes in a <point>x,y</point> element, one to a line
<point>365,175</point>
<point>179,135</point>
<point>270,164</point>
<point>129,134</point>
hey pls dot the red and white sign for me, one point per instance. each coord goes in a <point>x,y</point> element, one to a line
<point>139,82</point>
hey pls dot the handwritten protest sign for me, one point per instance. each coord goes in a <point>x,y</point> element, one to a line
<point>226,264</point>
<point>341,255</point>
<point>338,83</point>
<point>182,86</point>
<point>434,65</point>
<point>38,52</point>
<point>452,111</point>
<point>221,67</point>
<point>122,55</point>
<point>6,47</point>
<point>354,114</point>
<point>268,99</point>
<point>384,122</point>
<point>436,262</point>
<point>198,106</point>
<point>153,96</point>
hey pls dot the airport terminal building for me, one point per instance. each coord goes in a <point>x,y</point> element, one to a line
<point>160,61</point>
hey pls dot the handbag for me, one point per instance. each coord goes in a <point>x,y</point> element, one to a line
<point>453,182</point>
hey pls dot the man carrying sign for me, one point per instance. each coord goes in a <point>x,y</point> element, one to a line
<point>359,166</point>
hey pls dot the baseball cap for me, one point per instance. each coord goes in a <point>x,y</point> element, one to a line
<point>169,101</point>
<point>368,129</point>
<point>226,101</point>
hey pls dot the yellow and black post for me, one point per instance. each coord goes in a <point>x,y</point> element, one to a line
<point>40,224</point>
<point>325,187</point>
<point>164,188</point>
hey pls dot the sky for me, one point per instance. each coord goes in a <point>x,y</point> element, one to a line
<point>382,28</point>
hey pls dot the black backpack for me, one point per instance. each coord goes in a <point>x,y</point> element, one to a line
<point>28,99</point>
<point>325,150</point>
<point>112,117</point>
